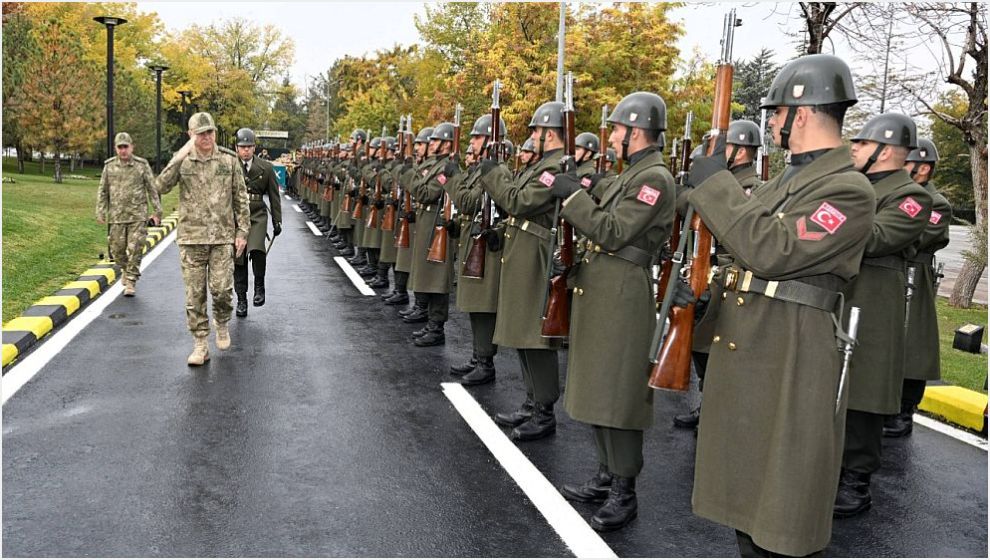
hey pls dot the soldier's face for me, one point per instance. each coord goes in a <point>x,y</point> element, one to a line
<point>580,154</point>
<point>615,139</point>
<point>861,152</point>
<point>432,147</point>
<point>124,151</point>
<point>205,141</point>
<point>245,152</point>
<point>525,157</point>
<point>477,143</point>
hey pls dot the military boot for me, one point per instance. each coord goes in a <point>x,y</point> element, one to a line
<point>484,374</point>
<point>420,332</point>
<point>347,251</point>
<point>516,417</point>
<point>899,425</point>
<point>241,310</point>
<point>358,259</point>
<point>417,305</point>
<point>434,335</point>
<point>595,490</point>
<point>619,508</point>
<point>128,287</point>
<point>853,496</point>
<point>540,425</point>
<point>259,291</point>
<point>223,336</point>
<point>689,420</point>
<point>397,298</point>
<point>368,270</point>
<point>418,315</point>
<point>465,368</point>
<point>201,352</point>
<point>381,278</point>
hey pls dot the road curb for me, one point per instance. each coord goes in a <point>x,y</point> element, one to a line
<point>21,333</point>
<point>961,406</point>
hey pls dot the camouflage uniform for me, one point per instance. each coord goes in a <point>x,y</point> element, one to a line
<point>122,201</point>
<point>213,209</point>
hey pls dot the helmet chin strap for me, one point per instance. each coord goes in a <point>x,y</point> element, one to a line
<point>785,131</point>
<point>732,156</point>
<point>872,159</point>
<point>625,143</point>
<point>914,168</point>
<point>543,138</point>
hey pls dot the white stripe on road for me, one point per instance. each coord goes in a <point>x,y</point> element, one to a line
<point>297,208</point>
<point>583,541</point>
<point>27,368</point>
<point>356,279</point>
<point>963,436</point>
<point>314,229</point>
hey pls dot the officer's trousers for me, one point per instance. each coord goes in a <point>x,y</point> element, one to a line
<point>700,366</point>
<point>401,281</point>
<point>207,267</point>
<point>126,243</point>
<point>437,307</point>
<point>258,265</point>
<point>482,332</point>
<point>539,368</point>
<point>864,437</point>
<point>620,450</point>
<point>912,392</point>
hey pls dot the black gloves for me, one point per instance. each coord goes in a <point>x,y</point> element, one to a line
<point>564,185</point>
<point>410,217</point>
<point>354,172</point>
<point>452,168</point>
<point>394,204</point>
<point>276,229</point>
<point>379,204</point>
<point>364,200</point>
<point>407,165</point>
<point>704,167</point>
<point>683,295</point>
<point>492,239</point>
<point>487,165</point>
<point>354,192</point>
<point>453,228</point>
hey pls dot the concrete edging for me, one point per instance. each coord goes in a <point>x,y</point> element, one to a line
<point>963,407</point>
<point>21,333</point>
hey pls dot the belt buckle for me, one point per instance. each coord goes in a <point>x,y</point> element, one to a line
<point>731,278</point>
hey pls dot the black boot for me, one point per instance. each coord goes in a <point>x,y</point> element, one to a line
<point>540,425</point>
<point>689,420</point>
<point>347,251</point>
<point>259,292</point>
<point>484,374</point>
<point>899,425</point>
<point>397,298</point>
<point>595,490</point>
<point>420,332</point>
<point>465,368</point>
<point>853,496</point>
<point>516,417</point>
<point>434,335</point>
<point>620,508</point>
<point>749,549</point>
<point>358,259</point>
<point>381,280</point>
<point>368,271</point>
<point>418,315</point>
<point>241,304</point>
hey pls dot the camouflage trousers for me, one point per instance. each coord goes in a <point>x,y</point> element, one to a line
<point>207,267</point>
<point>126,246</point>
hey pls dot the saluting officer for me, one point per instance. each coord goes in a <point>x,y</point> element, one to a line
<point>607,367</point>
<point>903,208</point>
<point>770,436</point>
<point>259,176</point>
<point>528,245</point>
<point>921,349</point>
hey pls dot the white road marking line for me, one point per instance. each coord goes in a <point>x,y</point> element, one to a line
<point>26,369</point>
<point>583,541</point>
<point>314,229</point>
<point>356,279</point>
<point>297,208</point>
<point>961,435</point>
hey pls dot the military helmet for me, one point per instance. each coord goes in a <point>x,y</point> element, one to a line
<point>548,115</point>
<point>588,141</point>
<point>390,142</point>
<point>528,146</point>
<point>443,131</point>
<point>510,149</point>
<point>698,151</point>
<point>894,129</point>
<point>122,139</point>
<point>483,126</point>
<point>346,147</point>
<point>201,122</point>
<point>245,137</point>
<point>814,79</point>
<point>610,156</point>
<point>375,142</point>
<point>641,109</point>
<point>924,153</point>
<point>424,135</point>
<point>744,133</point>
<point>359,135</point>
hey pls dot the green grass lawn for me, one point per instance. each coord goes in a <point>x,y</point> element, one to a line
<point>50,234</point>
<point>958,367</point>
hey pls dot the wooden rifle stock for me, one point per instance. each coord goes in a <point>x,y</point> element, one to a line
<point>404,235</point>
<point>388,220</point>
<point>373,213</point>
<point>474,263</point>
<point>440,240</point>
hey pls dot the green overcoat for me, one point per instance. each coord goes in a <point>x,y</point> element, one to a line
<point>403,257</point>
<point>474,295</point>
<point>430,277</point>
<point>261,181</point>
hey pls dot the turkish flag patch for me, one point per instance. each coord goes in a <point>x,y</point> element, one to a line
<point>648,195</point>
<point>586,182</point>
<point>910,207</point>
<point>442,179</point>
<point>935,218</point>
<point>828,217</point>
<point>546,178</point>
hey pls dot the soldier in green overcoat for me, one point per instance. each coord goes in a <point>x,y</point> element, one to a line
<point>386,245</point>
<point>342,221</point>
<point>921,349</point>
<point>608,368</point>
<point>405,262</point>
<point>367,238</point>
<point>770,436</point>
<point>876,372</point>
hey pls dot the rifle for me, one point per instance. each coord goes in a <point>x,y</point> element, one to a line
<point>939,275</point>
<point>372,222</point>
<point>912,272</point>
<point>672,367</point>
<point>402,239</point>
<point>847,349</point>
<point>363,192</point>
<point>675,233</point>
<point>388,221</point>
<point>348,199</point>
<point>474,263</point>
<point>674,152</point>
<point>764,152</point>
<point>602,162</point>
<point>440,240</point>
<point>556,316</point>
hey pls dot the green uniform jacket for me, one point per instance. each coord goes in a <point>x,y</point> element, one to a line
<point>770,439</point>
<point>474,295</point>
<point>921,350</point>
<point>343,219</point>
<point>387,246</point>
<point>125,190</point>
<point>524,257</point>
<point>403,257</point>
<point>429,277</point>
<point>613,313</point>
<point>903,208</point>
<point>261,181</point>
<point>371,237</point>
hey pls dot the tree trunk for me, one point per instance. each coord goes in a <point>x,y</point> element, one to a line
<point>72,163</point>
<point>42,162</point>
<point>976,258</point>
<point>978,167</point>
<point>20,156</point>
<point>58,167</point>
<point>965,286</point>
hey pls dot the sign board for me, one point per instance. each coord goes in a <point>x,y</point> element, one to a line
<point>272,134</point>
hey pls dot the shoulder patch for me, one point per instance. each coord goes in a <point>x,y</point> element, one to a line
<point>227,150</point>
<point>828,217</point>
<point>648,195</point>
<point>139,159</point>
<point>546,178</point>
<point>935,218</point>
<point>586,182</point>
<point>108,160</point>
<point>442,179</point>
<point>910,206</point>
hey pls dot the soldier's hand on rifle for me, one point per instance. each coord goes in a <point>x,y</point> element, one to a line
<point>487,165</point>
<point>354,192</point>
<point>564,185</point>
<point>410,217</point>
<point>704,167</point>
<point>453,228</point>
<point>683,295</point>
<point>379,204</point>
<point>452,168</point>
<point>407,165</point>
<point>364,199</point>
<point>276,229</point>
<point>394,204</point>
<point>492,239</point>
<point>590,181</point>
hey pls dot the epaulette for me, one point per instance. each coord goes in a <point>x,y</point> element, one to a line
<point>227,151</point>
<point>139,159</point>
<point>108,160</point>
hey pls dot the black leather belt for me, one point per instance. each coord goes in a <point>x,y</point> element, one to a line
<point>793,291</point>
<point>255,197</point>
<point>531,228</point>
<point>924,258</point>
<point>635,255</point>
<point>893,262</point>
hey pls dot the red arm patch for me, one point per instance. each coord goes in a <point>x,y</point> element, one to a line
<point>935,218</point>
<point>442,179</point>
<point>648,195</point>
<point>828,217</point>
<point>910,207</point>
<point>546,178</point>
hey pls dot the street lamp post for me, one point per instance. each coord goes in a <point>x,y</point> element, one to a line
<point>158,69</point>
<point>110,22</point>
<point>185,94</point>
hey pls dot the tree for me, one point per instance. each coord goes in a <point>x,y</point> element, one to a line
<point>18,42</point>
<point>751,81</point>
<point>820,19</point>
<point>287,113</point>
<point>953,174</point>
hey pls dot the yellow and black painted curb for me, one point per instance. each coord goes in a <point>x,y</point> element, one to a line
<point>963,407</point>
<point>21,333</point>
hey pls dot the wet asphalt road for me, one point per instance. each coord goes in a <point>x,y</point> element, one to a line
<point>324,432</point>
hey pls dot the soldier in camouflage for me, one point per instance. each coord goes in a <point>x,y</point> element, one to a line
<point>214,221</point>
<point>126,187</point>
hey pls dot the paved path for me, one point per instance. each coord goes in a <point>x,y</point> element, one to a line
<point>324,432</point>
